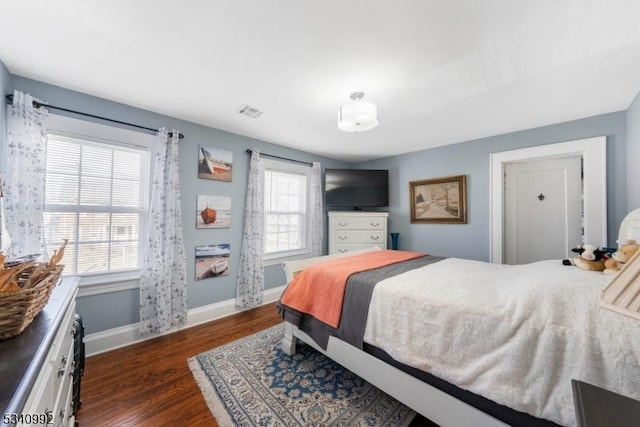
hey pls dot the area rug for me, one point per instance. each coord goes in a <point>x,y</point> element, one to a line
<point>252,382</point>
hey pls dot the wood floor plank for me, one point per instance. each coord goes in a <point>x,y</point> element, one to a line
<point>150,383</point>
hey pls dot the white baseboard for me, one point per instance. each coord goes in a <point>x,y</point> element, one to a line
<point>122,336</point>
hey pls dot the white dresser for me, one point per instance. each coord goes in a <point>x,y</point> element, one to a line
<point>351,230</point>
<point>37,366</point>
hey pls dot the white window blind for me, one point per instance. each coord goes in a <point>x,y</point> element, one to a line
<point>285,206</point>
<point>95,198</point>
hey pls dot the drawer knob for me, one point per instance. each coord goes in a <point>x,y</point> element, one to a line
<point>375,237</point>
<point>342,250</point>
<point>343,224</point>
<point>375,224</point>
<point>342,237</point>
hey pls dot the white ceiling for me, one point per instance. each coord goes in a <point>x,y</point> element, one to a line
<point>440,71</point>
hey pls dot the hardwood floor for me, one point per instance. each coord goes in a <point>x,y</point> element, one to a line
<point>150,384</point>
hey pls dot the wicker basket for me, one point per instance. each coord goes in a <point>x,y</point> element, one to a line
<point>18,310</point>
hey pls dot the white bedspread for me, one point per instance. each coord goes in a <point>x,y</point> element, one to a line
<point>514,334</point>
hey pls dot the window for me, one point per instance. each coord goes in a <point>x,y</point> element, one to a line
<point>285,208</point>
<point>96,196</point>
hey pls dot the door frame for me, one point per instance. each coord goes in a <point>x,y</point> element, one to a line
<point>594,156</point>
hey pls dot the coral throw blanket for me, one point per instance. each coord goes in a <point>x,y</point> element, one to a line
<point>319,289</point>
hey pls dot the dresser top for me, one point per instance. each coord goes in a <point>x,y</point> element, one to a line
<point>358,213</point>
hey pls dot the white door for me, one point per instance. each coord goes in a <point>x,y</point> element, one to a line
<point>543,209</point>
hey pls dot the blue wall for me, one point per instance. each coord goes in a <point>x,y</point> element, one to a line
<point>633,154</point>
<point>5,88</point>
<point>106,311</point>
<point>472,159</point>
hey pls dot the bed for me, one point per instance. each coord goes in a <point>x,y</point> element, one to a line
<point>482,344</point>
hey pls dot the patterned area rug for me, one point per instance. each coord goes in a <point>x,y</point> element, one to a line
<point>251,381</point>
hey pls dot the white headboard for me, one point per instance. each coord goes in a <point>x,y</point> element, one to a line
<point>630,226</point>
<point>622,295</point>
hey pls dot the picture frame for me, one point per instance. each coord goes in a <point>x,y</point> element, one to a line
<point>215,164</point>
<point>213,211</point>
<point>212,260</point>
<point>439,200</point>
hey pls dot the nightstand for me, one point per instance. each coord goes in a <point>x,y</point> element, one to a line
<point>597,407</point>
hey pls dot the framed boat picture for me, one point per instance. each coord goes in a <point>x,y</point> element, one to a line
<point>212,260</point>
<point>214,163</point>
<point>213,211</point>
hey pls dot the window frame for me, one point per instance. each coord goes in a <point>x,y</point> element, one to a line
<point>294,169</point>
<point>111,136</point>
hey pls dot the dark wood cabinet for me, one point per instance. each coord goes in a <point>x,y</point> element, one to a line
<point>597,407</point>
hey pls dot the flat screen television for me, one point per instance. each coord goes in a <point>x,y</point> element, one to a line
<point>356,188</point>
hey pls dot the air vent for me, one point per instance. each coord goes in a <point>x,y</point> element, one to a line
<point>249,111</point>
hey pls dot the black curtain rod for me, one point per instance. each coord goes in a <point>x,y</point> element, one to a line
<point>53,107</point>
<point>249,151</point>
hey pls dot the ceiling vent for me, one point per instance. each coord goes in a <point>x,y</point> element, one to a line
<point>249,111</point>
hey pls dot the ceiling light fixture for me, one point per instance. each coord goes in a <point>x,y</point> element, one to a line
<point>357,116</point>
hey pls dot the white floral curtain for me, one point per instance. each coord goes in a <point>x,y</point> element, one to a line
<point>24,181</point>
<point>163,285</point>
<point>316,214</point>
<point>250,284</point>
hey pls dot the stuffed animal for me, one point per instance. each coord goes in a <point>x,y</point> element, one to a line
<point>625,251</point>
<point>590,258</point>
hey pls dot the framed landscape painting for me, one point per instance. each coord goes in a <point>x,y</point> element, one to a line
<point>440,200</point>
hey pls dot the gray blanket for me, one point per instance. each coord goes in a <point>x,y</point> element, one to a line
<point>357,296</point>
<point>355,308</point>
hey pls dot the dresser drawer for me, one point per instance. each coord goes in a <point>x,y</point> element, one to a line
<point>359,236</point>
<point>62,351</point>
<point>63,408</point>
<point>346,247</point>
<point>358,223</point>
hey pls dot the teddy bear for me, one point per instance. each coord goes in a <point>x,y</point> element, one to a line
<point>590,258</point>
<point>625,251</point>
